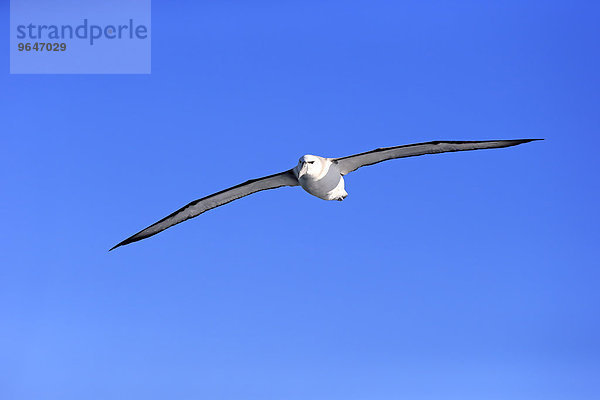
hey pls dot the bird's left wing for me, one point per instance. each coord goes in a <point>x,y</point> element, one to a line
<point>352,163</point>
<point>197,207</point>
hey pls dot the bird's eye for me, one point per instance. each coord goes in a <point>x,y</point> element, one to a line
<point>311,162</point>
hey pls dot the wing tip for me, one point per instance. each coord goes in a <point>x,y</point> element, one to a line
<point>516,142</point>
<point>527,140</point>
<point>123,243</point>
<point>115,246</point>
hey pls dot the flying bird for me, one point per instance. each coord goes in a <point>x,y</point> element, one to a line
<point>320,176</point>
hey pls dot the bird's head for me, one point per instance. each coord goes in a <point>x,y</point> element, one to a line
<point>309,165</point>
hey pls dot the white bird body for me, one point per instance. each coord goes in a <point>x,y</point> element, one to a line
<point>321,177</point>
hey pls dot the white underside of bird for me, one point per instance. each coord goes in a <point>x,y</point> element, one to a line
<point>320,176</point>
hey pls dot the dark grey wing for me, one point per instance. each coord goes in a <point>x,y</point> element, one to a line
<point>197,207</point>
<point>351,163</point>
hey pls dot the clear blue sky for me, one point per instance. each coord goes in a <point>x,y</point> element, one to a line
<point>456,276</point>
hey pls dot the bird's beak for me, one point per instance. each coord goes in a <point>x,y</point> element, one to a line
<point>303,169</point>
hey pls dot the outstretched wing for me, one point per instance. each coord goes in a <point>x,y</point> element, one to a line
<point>197,207</point>
<point>352,163</point>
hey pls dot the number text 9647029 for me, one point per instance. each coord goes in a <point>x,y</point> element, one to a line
<point>41,46</point>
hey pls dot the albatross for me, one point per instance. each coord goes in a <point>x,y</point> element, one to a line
<point>320,176</point>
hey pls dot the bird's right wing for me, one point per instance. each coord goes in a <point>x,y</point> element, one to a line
<point>197,207</point>
<point>352,163</point>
